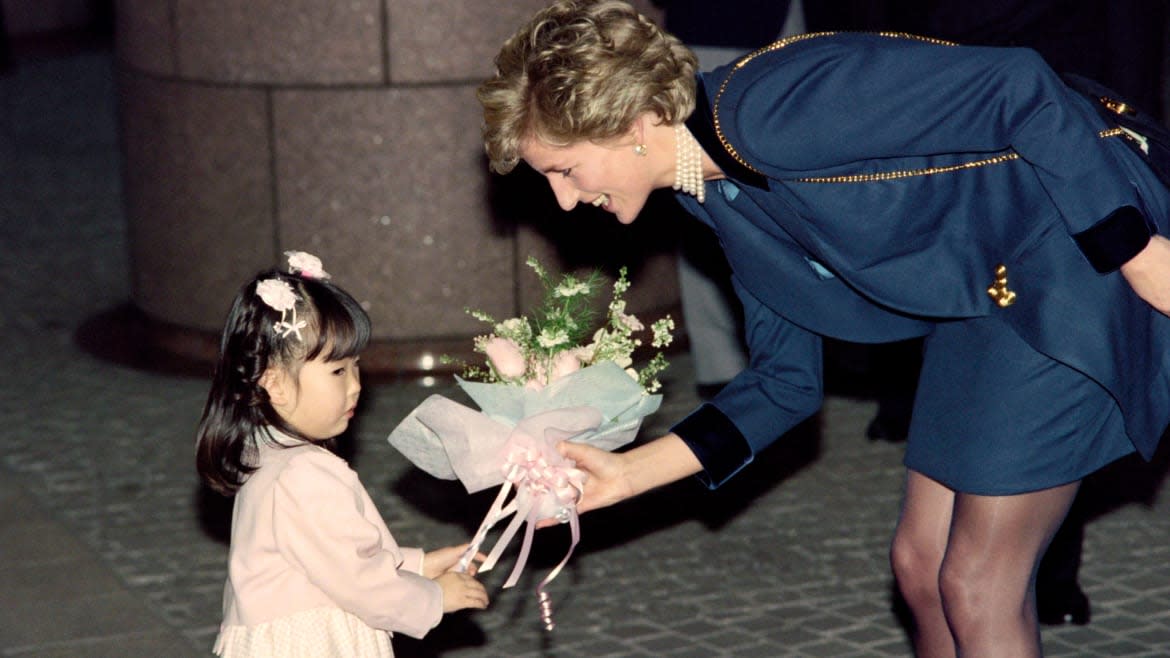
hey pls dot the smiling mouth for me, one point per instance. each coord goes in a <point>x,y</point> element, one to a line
<point>600,201</point>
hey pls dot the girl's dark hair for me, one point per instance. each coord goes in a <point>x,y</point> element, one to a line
<point>238,407</point>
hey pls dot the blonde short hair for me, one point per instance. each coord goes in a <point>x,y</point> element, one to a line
<point>583,70</point>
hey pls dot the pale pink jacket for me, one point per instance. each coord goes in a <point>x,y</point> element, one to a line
<point>306,535</point>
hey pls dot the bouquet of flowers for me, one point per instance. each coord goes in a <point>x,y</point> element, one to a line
<point>547,378</point>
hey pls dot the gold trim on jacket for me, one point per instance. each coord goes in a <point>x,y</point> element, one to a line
<point>874,176</point>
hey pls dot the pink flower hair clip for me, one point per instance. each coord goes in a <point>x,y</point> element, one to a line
<point>305,264</point>
<point>279,296</point>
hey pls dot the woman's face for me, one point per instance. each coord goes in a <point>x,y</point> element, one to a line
<point>611,176</point>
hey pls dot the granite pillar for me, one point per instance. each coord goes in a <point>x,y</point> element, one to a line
<point>350,130</point>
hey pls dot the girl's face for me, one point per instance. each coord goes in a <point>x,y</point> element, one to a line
<point>321,401</point>
<point>609,176</point>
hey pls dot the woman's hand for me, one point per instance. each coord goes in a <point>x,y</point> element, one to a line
<point>614,476</point>
<point>442,560</point>
<point>1148,273</point>
<point>607,483</point>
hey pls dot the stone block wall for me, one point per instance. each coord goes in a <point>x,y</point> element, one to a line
<point>348,129</point>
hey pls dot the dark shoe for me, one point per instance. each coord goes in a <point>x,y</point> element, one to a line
<point>1062,605</point>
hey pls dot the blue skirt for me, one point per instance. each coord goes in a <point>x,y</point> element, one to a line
<point>995,417</point>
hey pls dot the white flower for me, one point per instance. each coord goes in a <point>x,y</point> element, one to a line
<point>550,339</point>
<point>512,326</point>
<point>662,335</point>
<point>571,288</point>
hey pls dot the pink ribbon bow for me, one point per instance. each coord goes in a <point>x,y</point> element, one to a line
<point>546,485</point>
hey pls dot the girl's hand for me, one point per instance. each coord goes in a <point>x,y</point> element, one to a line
<point>461,591</point>
<point>442,560</point>
<point>1148,273</point>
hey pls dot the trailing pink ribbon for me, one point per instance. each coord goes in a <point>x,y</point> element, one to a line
<point>546,485</point>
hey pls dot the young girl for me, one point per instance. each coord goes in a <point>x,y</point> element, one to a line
<point>312,569</point>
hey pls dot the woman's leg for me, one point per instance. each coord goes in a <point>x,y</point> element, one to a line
<point>920,543</point>
<point>987,579</point>
<point>1059,597</point>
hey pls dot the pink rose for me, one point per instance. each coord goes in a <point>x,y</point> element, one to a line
<point>306,264</point>
<point>563,364</point>
<point>505,356</point>
<point>277,294</point>
<point>631,321</point>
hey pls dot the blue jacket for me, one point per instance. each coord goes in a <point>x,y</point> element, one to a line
<point>877,184</point>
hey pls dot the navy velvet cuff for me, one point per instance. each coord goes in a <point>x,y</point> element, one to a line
<point>716,442</point>
<point>1111,242</point>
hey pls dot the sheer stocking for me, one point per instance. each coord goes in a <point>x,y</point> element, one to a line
<point>980,554</point>
<point>920,542</point>
<point>988,575</point>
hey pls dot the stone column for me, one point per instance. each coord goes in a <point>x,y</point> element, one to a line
<point>348,129</point>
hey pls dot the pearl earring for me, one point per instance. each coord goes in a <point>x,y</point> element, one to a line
<point>641,149</point>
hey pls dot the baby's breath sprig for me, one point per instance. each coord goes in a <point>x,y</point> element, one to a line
<point>565,316</point>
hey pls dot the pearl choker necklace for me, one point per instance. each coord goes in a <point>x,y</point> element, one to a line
<point>688,163</point>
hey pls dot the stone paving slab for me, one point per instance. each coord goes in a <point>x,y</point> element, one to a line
<point>60,599</point>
